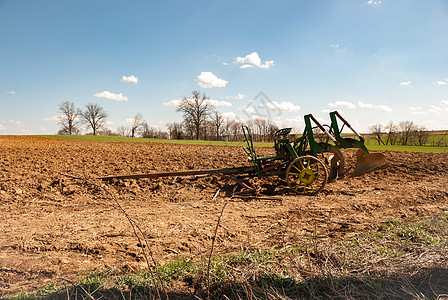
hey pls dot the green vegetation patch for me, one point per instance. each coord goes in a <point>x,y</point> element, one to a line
<point>426,149</point>
<point>96,138</point>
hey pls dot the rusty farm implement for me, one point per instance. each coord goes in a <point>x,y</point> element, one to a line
<point>300,161</point>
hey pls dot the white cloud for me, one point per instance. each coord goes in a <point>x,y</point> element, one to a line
<point>253,59</point>
<point>111,96</point>
<point>248,108</point>
<point>209,80</point>
<point>377,107</point>
<point>246,66</point>
<point>219,103</point>
<point>416,110</point>
<point>225,64</point>
<point>282,106</point>
<point>238,97</point>
<point>343,104</point>
<point>2,127</point>
<point>434,109</point>
<point>11,92</point>
<point>131,78</point>
<point>26,131</point>
<point>295,121</point>
<point>52,118</point>
<point>440,82</point>
<point>177,102</point>
<point>174,102</point>
<point>373,2</point>
<point>229,115</point>
<point>404,83</point>
<point>444,102</point>
<point>42,128</point>
<point>338,47</point>
<point>15,122</point>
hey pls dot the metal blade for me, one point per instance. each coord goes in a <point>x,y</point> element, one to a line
<point>337,164</point>
<point>367,163</point>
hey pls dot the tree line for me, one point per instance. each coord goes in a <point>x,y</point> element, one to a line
<point>200,121</point>
<point>406,133</point>
<point>94,117</point>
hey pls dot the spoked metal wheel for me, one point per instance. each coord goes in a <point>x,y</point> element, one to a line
<point>306,175</point>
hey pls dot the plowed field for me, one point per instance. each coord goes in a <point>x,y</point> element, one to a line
<point>53,226</point>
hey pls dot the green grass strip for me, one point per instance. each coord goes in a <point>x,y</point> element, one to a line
<point>426,149</point>
<point>92,138</point>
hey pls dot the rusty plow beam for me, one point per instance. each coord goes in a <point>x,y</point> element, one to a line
<point>227,171</point>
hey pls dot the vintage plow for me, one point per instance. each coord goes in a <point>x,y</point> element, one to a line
<point>296,160</point>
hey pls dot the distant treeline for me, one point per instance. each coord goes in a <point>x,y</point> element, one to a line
<point>407,133</point>
<point>202,122</point>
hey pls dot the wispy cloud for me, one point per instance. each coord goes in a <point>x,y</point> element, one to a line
<point>11,92</point>
<point>282,106</point>
<point>338,47</point>
<point>372,106</point>
<point>2,127</point>
<point>253,59</point>
<point>111,96</point>
<point>238,97</point>
<point>209,80</point>
<point>52,118</point>
<point>435,109</point>
<point>229,115</point>
<point>373,2</point>
<point>342,104</point>
<point>405,83</point>
<point>15,122</point>
<point>441,82</point>
<point>131,78</point>
<point>416,110</point>
<point>225,64</point>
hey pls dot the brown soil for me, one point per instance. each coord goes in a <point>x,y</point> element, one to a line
<point>54,226</point>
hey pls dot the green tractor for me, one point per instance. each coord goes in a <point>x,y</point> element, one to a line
<point>297,160</point>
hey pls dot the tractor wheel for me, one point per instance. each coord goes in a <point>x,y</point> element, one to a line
<point>306,175</point>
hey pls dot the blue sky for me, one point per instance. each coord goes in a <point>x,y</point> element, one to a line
<point>374,61</point>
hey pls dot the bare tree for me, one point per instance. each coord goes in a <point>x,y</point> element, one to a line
<point>440,140</point>
<point>175,131</point>
<point>406,129</point>
<point>94,116</point>
<point>422,135</point>
<point>123,131</point>
<point>235,129</point>
<point>137,122</point>
<point>218,123</point>
<point>195,109</point>
<point>377,130</point>
<point>271,129</point>
<point>391,133</point>
<point>152,132</point>
<point>69,119</point>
